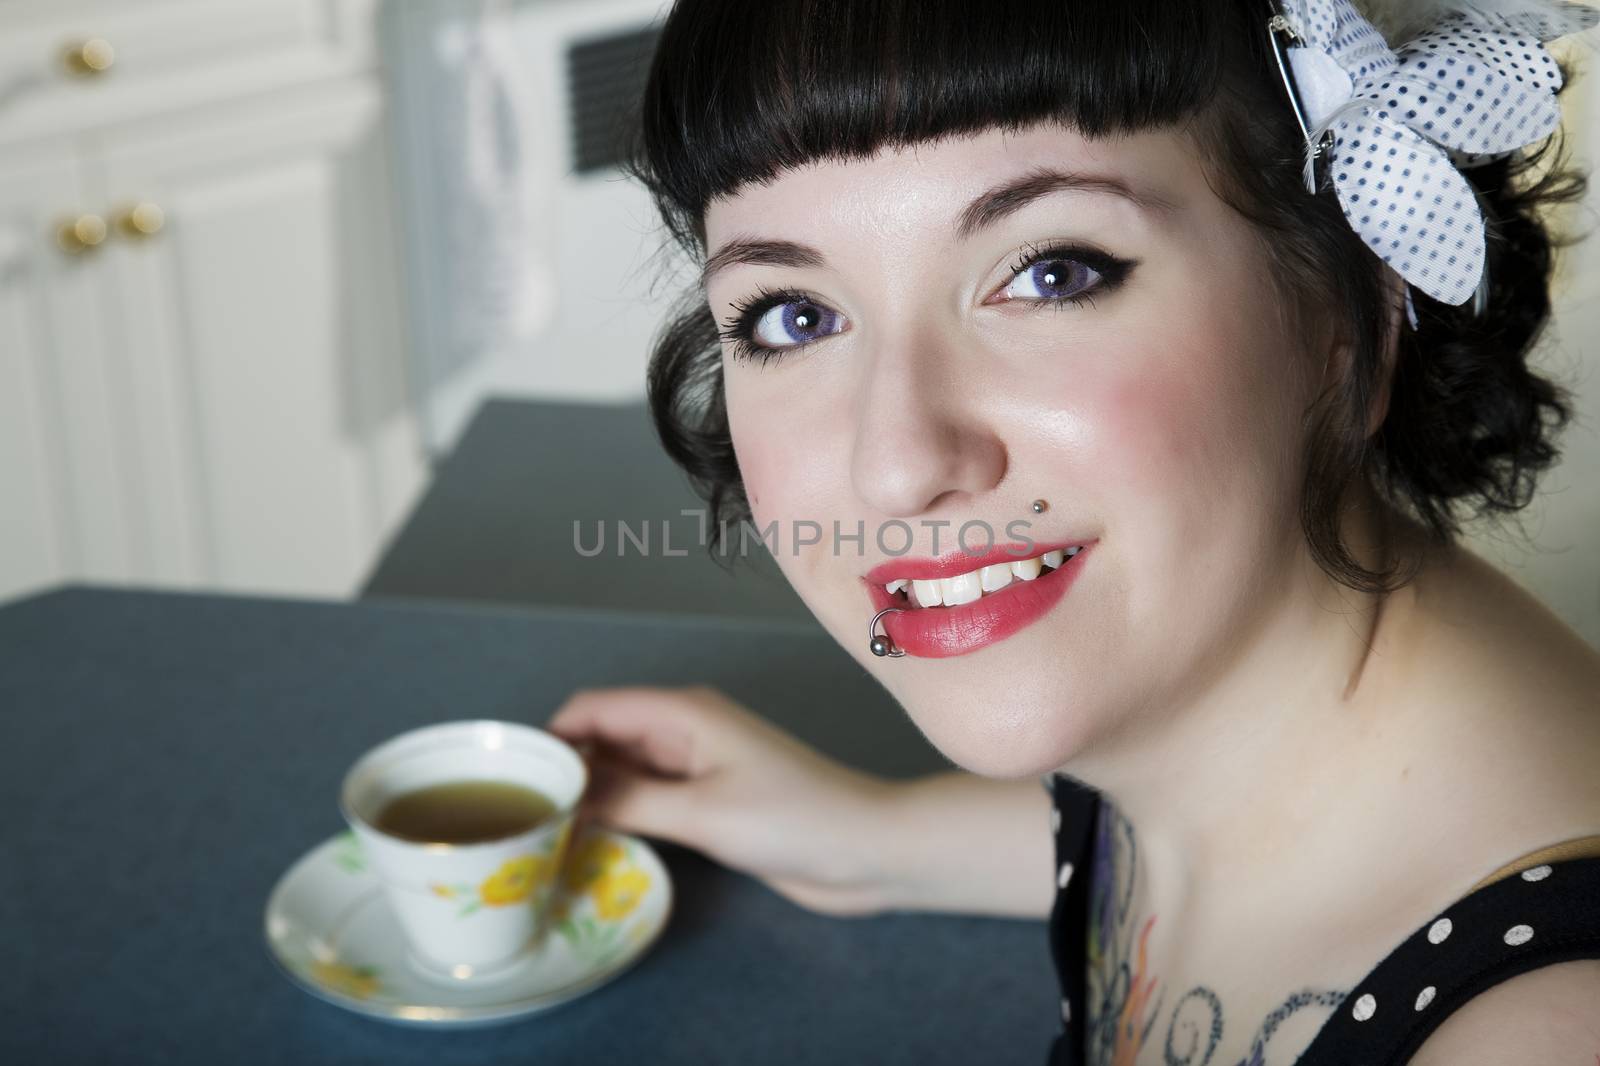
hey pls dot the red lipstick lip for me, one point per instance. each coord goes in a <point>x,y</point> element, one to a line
<point>942,632</point>
<point>960,562</point>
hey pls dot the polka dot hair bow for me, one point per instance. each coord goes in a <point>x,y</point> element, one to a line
<point>1395,127</point>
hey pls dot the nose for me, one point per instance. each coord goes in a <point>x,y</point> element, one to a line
<point>921,439</point>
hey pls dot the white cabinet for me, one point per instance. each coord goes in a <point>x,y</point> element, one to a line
<point>36,296</point>
<point>221,403</point>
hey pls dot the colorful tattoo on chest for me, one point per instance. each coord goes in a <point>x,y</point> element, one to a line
<point>1125,1000</point>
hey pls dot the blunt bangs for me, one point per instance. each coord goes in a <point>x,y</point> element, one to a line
<point>742,90</point>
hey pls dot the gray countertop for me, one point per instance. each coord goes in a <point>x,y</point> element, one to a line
<point>164,757</point>
<point>531,482</point>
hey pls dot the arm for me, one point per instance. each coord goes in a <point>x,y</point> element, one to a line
<point>960,843</point>
<point>691,766</point>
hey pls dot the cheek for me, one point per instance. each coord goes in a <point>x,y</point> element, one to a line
<point>1201,418</point>
<point>755,454</point>
<point>780,479</point>
<point>791,480</point>
<point>793,451</point>
<point>1164,428</point>
<point>1197,455</point>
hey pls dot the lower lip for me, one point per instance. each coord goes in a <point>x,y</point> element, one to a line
<point>941,632</point>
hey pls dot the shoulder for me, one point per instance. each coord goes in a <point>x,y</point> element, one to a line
<point>1484,644</point>
<point>1547,1015</point>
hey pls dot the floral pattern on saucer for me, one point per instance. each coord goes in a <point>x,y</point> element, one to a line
<point>329,928</point>
<point>602,885</point>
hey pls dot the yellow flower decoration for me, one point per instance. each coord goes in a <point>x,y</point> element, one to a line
<point>617,893</point>
<point>515,881</point>
<point>592,860</point>
<point>360,982</point>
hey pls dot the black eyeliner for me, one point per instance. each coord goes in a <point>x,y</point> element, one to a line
<point>1113,269</point>
<point>739,330</point>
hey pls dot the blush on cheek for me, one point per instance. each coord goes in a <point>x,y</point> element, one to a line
<point>1160,429</point>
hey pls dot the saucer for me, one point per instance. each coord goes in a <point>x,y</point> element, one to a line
<point>329,928</point>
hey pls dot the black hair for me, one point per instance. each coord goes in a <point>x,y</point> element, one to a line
<point>738,92</point>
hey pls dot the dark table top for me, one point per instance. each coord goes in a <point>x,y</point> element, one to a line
<point>164,757</point>
<point>497,522</point>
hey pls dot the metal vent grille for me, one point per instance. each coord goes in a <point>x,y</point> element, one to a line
<point>605,81</point>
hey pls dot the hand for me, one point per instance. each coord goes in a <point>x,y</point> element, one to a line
<point>691,766</point>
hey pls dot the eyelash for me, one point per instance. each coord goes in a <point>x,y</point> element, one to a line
<point>739,329</point>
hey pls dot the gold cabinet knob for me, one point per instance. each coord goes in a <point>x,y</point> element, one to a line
<point>141,221</point>
<point>81,234</point>
<point>93,56</point>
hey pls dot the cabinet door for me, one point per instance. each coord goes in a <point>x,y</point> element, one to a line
<point>63,504</point>
<point>259,338</point>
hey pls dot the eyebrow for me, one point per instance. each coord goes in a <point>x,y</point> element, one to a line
<point>987,209</point>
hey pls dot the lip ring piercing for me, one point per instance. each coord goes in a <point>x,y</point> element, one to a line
<point>1040,506</point>
<point>883,645</point>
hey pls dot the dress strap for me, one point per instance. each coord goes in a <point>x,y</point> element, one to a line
<point>1577,848</point>
<point>1508,927</point>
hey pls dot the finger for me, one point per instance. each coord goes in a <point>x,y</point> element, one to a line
<point>651,724</point>
<point>636,802</point>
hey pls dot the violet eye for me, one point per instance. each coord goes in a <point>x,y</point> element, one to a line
<point>1053,279</point>
<point>797,322</point>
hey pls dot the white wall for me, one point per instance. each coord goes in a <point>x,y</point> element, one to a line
<point>1559,558</point>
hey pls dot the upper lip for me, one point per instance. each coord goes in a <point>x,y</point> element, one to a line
<point>961,562</point>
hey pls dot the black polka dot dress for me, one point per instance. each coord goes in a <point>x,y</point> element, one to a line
<point>1073,812</point>
<point>1537,916</point>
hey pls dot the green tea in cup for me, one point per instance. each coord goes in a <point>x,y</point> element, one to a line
<point>464,812</point>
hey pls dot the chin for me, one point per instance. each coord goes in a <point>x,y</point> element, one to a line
<point>1005,740</point>
<point>1003,762</point>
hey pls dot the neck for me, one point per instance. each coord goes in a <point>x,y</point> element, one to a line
<point>1347,740</point>
<point>1279,746</point>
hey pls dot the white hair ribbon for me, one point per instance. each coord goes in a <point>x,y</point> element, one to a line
<point>1398,124</point>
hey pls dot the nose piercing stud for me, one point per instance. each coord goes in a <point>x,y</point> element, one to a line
<point>883,645</point>
<point>1040,507</point>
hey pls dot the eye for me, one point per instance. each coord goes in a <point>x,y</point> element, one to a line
<point>794,323</point>
<point>1052,279</point>
<point>776,323</point>
<point>1064,274</point>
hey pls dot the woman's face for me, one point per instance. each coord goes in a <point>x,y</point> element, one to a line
<point>981,330</point>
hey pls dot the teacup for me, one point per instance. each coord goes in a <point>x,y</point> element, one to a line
<point>467,908</point>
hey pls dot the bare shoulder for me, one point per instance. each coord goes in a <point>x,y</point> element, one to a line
<point>1502,647</point>
<point>1550,1015</point>
<point>1487,630</point>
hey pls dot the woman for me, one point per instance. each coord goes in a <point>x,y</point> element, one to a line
<point>965,265</point>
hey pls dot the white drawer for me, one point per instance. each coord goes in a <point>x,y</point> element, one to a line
<point>162,52</point>
<point>150,38</point>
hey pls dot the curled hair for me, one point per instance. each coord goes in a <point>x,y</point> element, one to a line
<point>740,92</point>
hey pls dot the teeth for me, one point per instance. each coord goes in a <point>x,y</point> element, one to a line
<point>973,585</point>
<point>1026,569</point>
<point>994,578</point>
<point>964,588</point>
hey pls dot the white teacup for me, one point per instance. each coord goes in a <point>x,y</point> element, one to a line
<point>467,908</point>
